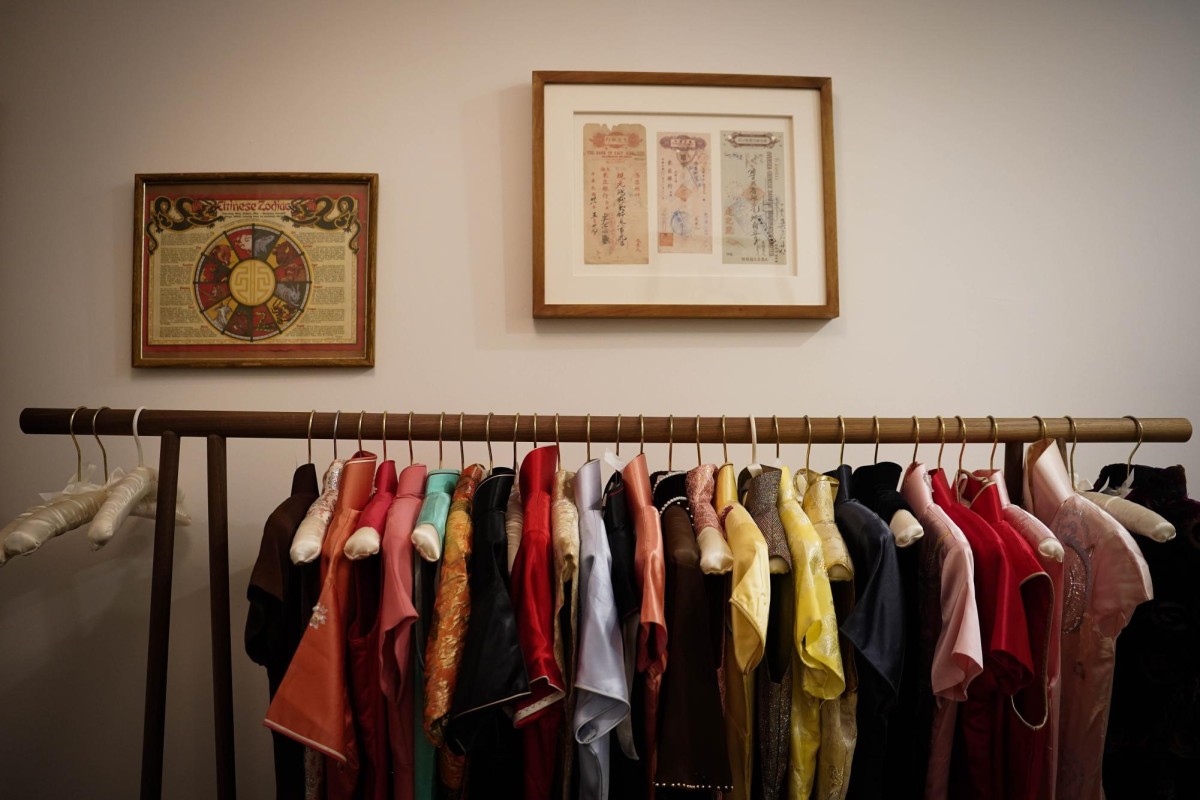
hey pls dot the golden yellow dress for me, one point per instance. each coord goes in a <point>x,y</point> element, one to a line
<point>817,661</point>
<point>749,602</point>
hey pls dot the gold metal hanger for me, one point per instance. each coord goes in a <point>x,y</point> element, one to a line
<point>641,434</point>
<point>74,441</point>
<point>808,449</point>
<point>487,435</point>
<point>699,458</point>
<point>916,436</point>
<point>1129,461</point>
<point>995,443</point>
<point>535,441</point>
<point>876,420</point>
<point>941,438</point>
<point>336,418</point>
<point>361,414</point>
<point>775,422</point>
<point>441,423</point>
<point>958,482</point>
<point>724,443</point>
<point>1074,441</point>
<point>842,431</point>
<point>311,414</point>
<point>670,442</point>
<point>516,427</point>
<point>1041,427</point>
<point>383,434</point>
<point>105,452</point>
<point>410,440</point>
<point>462,449</point>
<point>587,435</point>
<point>753,440</point>
<point>618,437</point>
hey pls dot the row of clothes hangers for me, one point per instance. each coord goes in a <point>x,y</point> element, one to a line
<point>365,541</point>
<point>105,505</point>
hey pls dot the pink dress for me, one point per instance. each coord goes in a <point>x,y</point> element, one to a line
<point>396,617</point>
<point>1105,579</point>
<point>950,640</point>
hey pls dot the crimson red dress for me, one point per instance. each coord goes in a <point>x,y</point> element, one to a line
<point>541,714</point>
<point>978,765</point>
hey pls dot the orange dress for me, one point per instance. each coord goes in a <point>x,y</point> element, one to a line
<point>313,705</point>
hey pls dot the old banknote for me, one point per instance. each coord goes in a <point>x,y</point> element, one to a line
<point>753,193</point>
<point>684,194</point>
<point>616,226</point>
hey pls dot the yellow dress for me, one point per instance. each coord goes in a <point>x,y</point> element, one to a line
<point>838,727</point>
<point>816,661</point>
<point>749,602</point>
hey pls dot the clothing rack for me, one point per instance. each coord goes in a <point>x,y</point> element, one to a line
<point>218,426</point>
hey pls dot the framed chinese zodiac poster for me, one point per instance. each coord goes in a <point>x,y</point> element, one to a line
<point>683,195</point>
<point>254,270</point>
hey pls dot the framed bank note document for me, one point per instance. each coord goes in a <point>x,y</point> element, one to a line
<point>683,195</point>
<point>254,270</point>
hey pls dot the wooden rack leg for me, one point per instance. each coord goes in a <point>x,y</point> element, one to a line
<point>218,579</point>
<point>1014,470</point>
<point>154,723</point>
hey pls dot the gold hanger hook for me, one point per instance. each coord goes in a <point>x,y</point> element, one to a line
<point>753,440</point>
<point>641,434</point>
<point>1041,426</point>
<point>535,441</point>
<point>724,442</point>
<point>1129,462</point>
<point>441,422</point>
<point>361,414</point>
<point>462,449</point>
<point>487,435</point>
<point>670,442</point>
<point>137,440</point>
<point>916,436</point>
<point>1074,441</point>
<point>410,440</point>
<point>102,451</point>
<point>336,418</point>
<point>557,441</point>
<point>808,448</point>
<point>775,422</point>
<point>995,443</point>
<point>941,438</point>
<point>74,441</point>
<point>587,435</point>
<point>516,427</point>
<point>842,434</point>
<point>962,427</point>
<point>699,458</point>
<point>876,420</point>
<point>618,442</point>
<point>311,414</point>
<point>383,434</point>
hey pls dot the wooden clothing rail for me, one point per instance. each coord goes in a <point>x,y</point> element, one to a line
<point>217,426</point>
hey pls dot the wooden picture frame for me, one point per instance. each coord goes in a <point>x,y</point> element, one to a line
<point>658,195</point>
<point>254,269</point>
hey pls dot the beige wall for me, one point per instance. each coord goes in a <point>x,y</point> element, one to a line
<point>1018,206</point>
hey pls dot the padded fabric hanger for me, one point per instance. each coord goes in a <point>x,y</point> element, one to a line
<point>123,495</point>
<point>306,544</point>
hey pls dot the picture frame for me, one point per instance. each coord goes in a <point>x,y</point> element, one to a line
<point>683,195</point>
<point>258,269</point>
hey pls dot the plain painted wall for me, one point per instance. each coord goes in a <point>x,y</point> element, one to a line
<point>1017,222</point>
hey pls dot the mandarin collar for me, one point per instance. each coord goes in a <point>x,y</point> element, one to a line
<point>357,477</point>
<point>637,482</point>
<point>411,482</point>
<point>916,484</point>
<point>493,492</point>
<point>304,480</point>
<point>1047,478</point>
<point>588,494</point>
<point>385,477</point>
<point>842,475</point>
<point>537,471</point>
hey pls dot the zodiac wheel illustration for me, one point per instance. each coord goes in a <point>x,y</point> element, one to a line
<point>252,282</point>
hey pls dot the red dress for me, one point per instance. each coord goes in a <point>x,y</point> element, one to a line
<point>541,714</point>
<point>979,761</point>
<point>313,704</point>
<point>1025,718</point>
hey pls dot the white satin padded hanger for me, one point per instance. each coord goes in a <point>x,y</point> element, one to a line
<point>306,544</point>
<point>123,495</point>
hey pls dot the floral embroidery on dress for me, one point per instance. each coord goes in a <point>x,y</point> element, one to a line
<point>320,616</point>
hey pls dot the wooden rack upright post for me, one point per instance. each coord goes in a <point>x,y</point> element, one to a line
<point>218,426</point>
